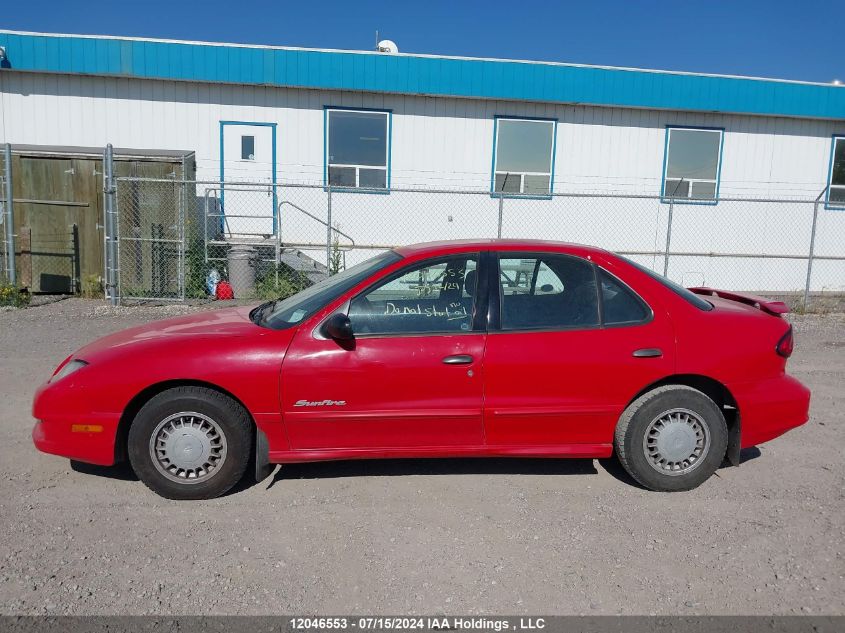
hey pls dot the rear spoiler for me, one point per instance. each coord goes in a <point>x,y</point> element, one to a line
<point>766,305</point>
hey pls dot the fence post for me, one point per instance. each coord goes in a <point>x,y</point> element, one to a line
<point>110,225</point>
<point>668,237</point>
<point>501,213</point>
<point>183,247</point>
<point>329,233</point>
<point>669,226</point>
<point>10,217</point>
<point>812,249</point>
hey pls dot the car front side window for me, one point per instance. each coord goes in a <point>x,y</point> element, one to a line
<point>429,298</point>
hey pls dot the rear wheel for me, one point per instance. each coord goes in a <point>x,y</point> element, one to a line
<point>671,438</point>
<point>190,443</point>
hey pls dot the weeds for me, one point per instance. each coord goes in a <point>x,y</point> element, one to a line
<point>15,296</point>
<point>280,282</point>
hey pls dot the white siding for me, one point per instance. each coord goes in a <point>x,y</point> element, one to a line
<point>448,143</point>
<point>440,142</point>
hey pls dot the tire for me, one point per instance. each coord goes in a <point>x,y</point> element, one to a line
<point>687,438</point>
<point>190,443</point>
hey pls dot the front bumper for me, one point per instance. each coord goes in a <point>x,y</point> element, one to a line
<point>65,426</point>
<point>770,408</point>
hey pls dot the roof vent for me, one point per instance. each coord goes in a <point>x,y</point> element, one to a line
<point>387,46</point>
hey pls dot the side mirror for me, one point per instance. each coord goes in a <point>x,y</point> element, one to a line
<point>339,327</point>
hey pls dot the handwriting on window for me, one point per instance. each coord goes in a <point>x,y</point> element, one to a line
<point>452,312</point>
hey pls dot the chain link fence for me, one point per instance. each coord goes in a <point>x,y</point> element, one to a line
<point>7,241</point>
<point>180,240</point>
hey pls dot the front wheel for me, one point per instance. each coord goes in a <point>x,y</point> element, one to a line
<point>671,438</point>
<point>190,443</point>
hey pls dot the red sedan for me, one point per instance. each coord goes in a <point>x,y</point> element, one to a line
<point>478,348</point>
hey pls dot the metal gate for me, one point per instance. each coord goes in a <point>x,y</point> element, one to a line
<point>150,249</point>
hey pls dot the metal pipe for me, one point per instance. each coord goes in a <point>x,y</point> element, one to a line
<point>251,186</point>
<point>501,213</point>
<point>812,248</point>
<point>182,246</point>
<point>110,225</point>
<point>205,227</point>
<point>669,228</point>
<point>10,218</point>
<point>329,233</point>
<point>314,217</point>
<point>668,238</point>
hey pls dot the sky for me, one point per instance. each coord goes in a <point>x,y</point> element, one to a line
<point>778,38</point>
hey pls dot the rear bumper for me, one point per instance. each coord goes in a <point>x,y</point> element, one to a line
<point>83,436</point>
<point>770,408</point>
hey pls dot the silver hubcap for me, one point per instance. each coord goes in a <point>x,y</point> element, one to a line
<point>188,447</point>
<point>676,442</point>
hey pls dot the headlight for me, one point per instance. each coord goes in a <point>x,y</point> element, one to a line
<point>67,369</point>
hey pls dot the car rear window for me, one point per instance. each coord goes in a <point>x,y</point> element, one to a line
<point>687,295</point>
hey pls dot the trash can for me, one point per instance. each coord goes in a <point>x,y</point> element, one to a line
<point>241,259</point>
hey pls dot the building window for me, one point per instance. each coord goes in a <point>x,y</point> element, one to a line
<point>692,161</point>
<point>247,148</point>
<point>357,148</point>
<point>836,179</point>
<point>523,156</point>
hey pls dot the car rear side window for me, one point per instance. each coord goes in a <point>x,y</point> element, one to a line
<point>619,304</point>
<point>547,291</point>
<point>433,297</point>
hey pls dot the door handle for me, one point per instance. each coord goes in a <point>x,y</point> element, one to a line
<point>458,359</point>
<point>648,352</point>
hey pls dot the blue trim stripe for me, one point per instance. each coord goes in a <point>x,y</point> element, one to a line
<point>408,74</point>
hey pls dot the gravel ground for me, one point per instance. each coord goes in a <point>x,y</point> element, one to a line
<point>437,536</point>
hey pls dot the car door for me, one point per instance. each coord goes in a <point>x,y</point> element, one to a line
<point>410,378</point>
<point>563,360</point>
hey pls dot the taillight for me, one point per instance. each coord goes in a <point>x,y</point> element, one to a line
<point>786,344</point>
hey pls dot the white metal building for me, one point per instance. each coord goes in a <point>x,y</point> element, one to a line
<point>393,121</point>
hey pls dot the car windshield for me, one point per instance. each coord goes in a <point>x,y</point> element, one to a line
<point>286,313</point>
<point>678,289</point>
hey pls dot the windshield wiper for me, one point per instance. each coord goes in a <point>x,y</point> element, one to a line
<point>256,315</point>
<point>266,311</point>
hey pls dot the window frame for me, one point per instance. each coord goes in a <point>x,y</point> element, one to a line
<point>828,205</point>
<point>664,197</point>
<point>496,296</point>
<point>649,312</point>
<point>327,109</point>
<point>551,174</point>
<point>500,297</point>
<point>478,316</point>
